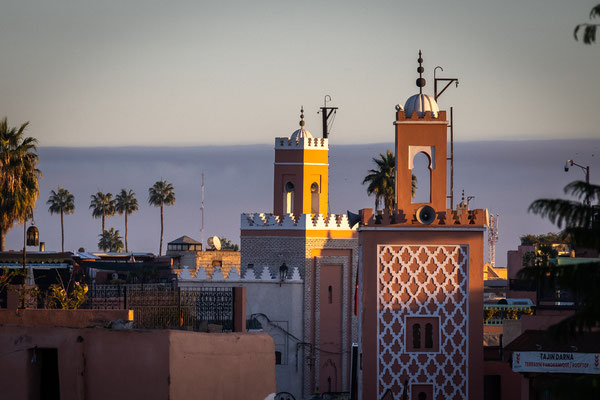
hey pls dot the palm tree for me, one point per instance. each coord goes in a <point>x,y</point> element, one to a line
<point>61,202</point>
<point>110,240</point>
<point>126,203</point>
<point>382,181</point>
<point>18,176</point>
<point>161,193</point>
<point>581,222</point>
<point>102,206</point>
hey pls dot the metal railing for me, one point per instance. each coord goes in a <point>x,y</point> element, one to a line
<point>494,314</point>
<point>160,306</point>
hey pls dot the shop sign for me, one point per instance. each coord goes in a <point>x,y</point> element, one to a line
<point>566,363</point>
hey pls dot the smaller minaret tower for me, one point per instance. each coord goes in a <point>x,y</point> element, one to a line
<point>301,173</point>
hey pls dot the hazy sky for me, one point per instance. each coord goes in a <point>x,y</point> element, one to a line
<point>114,73</point>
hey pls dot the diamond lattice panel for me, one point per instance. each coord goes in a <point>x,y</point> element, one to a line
<point>423,281</point>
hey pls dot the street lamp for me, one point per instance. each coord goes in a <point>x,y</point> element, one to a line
<point>586,170</point>
<point>283,271</point>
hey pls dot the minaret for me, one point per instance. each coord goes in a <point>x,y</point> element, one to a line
<point>420,128</point>
<point>301,173</point>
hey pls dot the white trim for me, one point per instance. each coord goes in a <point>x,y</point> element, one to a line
<point>298,163</point>
<point>419,228</point>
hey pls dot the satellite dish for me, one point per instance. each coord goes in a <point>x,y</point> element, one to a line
<point>214,242</point>
<point>425,215</point>
<point>115,275</point>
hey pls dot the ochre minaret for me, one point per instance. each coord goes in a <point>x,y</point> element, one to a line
<point>301,171</point>
<point>421,276</point>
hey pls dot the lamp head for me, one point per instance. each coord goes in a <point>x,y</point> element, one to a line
<point>567,165</point>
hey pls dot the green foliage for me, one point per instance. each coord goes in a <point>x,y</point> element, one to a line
<point>226,244</point>
<point>545,238</point>
<point>126,204</point>
<point>159,195</point>
<point>110,240</point>
<point>589,29</point>
<point>61,202</point>
<point>59,297</point>
<point>102,206</point>
<point>582,279</point>
<point>382,181</point>
<point>18,176</point>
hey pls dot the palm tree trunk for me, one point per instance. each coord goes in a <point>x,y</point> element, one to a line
<point>102,223</point>
<point>161,230</point>
<point>62,232</point>
<point>126,249</point>
<point>1,239</point>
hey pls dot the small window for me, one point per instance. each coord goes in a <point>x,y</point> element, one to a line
<point>277,358</point>
<point>416,339</point>
<point>422,334</point>
<point>330,294</point>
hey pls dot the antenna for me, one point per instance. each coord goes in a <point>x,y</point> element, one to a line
<point>327,112</point>
<point>202,211</point>
<point>493,237</point>
<point>436,95</point>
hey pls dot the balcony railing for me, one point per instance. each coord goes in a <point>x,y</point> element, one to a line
<point>494,314</point>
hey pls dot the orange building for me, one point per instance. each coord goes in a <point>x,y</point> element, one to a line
<point>300,234</point>
<point>421,277</point>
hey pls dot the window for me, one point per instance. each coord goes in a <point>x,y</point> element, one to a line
<point>422,172</point>
<point>277,358</point>
<point>421,392</point>
<point>288,198</point>
<point>314,198</point>
<point>422,334</point>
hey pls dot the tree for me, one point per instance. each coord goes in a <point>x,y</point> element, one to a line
<point>61,202</point>
<point>126,203</point>
<point>589,30</point>
<point>226,244</point>
<point>102,206</point>
<point>581,222</point>
<point>382,181</point>
<point>18,176</point>
<point>159,195</point>
<point>110,240</point>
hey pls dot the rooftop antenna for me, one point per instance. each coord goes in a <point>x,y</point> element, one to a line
<point>327,112</point>
<point>436,95</point>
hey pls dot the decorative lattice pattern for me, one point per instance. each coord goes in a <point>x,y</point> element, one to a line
<point>417,281</point>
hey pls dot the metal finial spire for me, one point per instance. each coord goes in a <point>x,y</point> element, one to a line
<point>302,117</point>
<point>420,70</point>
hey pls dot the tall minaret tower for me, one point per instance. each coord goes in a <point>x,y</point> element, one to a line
<point>301,181</point>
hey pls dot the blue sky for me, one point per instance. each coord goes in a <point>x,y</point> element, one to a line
<point>151,73</point>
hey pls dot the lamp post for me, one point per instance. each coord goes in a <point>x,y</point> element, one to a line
<point>31,237</point>
<point>586,170</point>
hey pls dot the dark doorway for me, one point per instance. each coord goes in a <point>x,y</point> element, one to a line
<point>44,378</point>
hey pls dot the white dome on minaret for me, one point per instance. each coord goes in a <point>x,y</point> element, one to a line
<point>301,133</point>
<point>421,103</point>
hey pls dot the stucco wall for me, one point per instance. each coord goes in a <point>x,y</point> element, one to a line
<point>134,364</point>
<point>70,318</point>
<point>221,366</point>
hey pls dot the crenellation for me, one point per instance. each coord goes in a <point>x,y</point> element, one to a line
<point>447,218</point>
<point>300,222</point>
<point>284,143</point>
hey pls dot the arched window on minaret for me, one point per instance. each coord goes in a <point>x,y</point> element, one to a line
<point>422,171</point>
<point>314,198</point>
<point>288,198</point>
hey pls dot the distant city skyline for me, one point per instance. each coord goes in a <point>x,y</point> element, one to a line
<point>203,73</point>
<point>504,176</point>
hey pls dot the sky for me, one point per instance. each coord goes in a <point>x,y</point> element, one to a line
<point>124,93</point>
<point>179,73</point>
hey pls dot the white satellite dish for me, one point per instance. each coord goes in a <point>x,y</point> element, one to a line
<point>214,242</point>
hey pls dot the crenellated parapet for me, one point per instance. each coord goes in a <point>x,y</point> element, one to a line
<point>336,222</point>
<point>427,116</point>
<point>199,274</point>
<point>443,219</point>
<point>285,143</point>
